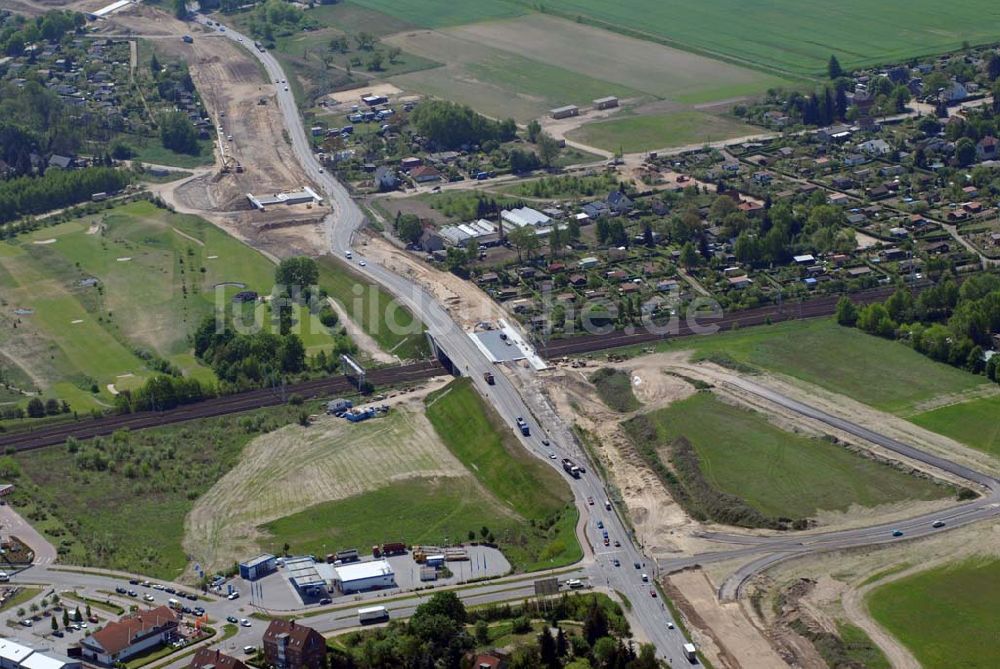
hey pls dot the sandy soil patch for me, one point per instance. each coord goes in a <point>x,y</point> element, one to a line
<point>296,467</point>
<point>463,300</point>
<point>353,96</point>
<point>230,83</point>
<point>866,241</point>
<point>722,631</point>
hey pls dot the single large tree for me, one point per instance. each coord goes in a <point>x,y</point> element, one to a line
<point>833,68</point>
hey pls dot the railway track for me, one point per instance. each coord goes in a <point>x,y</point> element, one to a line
<point>218,406</point>
<point>821,306</point>
<point>255,399</point>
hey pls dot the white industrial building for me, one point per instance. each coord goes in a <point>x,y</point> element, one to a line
<point>483,231</point>
<point>14,655</point>
<point>523,216</point>
<point>361,576</point>
<point>305,196</point>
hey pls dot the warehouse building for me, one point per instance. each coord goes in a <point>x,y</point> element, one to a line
<point>304,576</point>
<point>258,567</point>
<point>522,216</point>
<point>361,576</point>
<point>14,655</point>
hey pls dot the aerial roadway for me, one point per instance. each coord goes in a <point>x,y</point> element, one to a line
<point>648,612</point>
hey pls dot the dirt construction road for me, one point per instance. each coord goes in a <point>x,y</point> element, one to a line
<point>239,100</point>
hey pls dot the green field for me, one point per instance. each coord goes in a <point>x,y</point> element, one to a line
<point>392,326</point>
<point>151,150</point>
<point>780,473</point>
<point>973,423</point>
<point>797,36</point>
<point>440,13</point>
<point>632,134</point>
<point>487,447</point>
<point>946,616</point>
<point>523,502</point>
<point>128,513</point>
<point>884,374</point>
<point>159,275</point>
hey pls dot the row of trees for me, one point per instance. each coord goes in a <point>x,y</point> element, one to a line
<point>56,188</point>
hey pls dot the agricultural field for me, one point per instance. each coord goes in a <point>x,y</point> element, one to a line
<point>973,423</point>
<point>526,66</point>
<point>881,373</point>
<point>299,472</point>
<point>440,13</point>
<point>945,616</point>
<point>779,473</point>
<point>785,36</point>
<point>633,134</point>
<point>158,275</point>
<point>131,516</point>
<point>393,327</point>
<point>650,68</point>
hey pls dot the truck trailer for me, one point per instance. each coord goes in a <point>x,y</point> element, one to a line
<point>570,468</point>
<point>372,614</point>
<point>523,426</point>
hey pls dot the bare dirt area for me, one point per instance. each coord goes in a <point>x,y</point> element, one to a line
<point>466,303</point>
<point>661,525</point>
<point>295,467</point>
<point>241,101</point>
<point>352,96</point>
<point>721,630</point>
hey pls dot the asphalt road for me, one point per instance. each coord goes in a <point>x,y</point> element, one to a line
<point>647,613</point>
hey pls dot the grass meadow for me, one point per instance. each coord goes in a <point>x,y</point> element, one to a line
<point>632,134</point>
<point>780,473</point>
<point>881,373</point>
<point>973,423</point>
<point>945,616</point>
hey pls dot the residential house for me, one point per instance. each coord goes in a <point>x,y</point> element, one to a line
<point>619,202</point>
<point>207,658</point>
<point>386,179</point>
<point>430,241</point>
<point>875,147</point>
<point>290,645</point>
<point>596,209</point>
<point>986,149</point>
<point>129,636</point>
<point>424,174</point>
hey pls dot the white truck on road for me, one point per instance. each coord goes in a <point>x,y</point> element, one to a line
<point>372,614</point>
<point>690,652</point>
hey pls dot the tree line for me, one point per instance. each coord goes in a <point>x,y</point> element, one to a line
<point>56,188</point>
<point>945,322</point>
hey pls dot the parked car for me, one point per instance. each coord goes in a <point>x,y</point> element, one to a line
<point>132,593</point>
<point>27,622</point>
<point>325,601</point>
<point>245,622</point>
<point>233,619</point>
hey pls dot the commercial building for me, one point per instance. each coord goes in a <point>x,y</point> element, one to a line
<point>522,216</point>
<point>288,645</point>
<point>131,635</point>
<point>304,576</point>
<point>362,576</point>
<point>483,231</point>
<point>258,567</point>
<point>14,655</point>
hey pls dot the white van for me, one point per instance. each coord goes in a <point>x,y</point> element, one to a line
<point>4,577</point>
